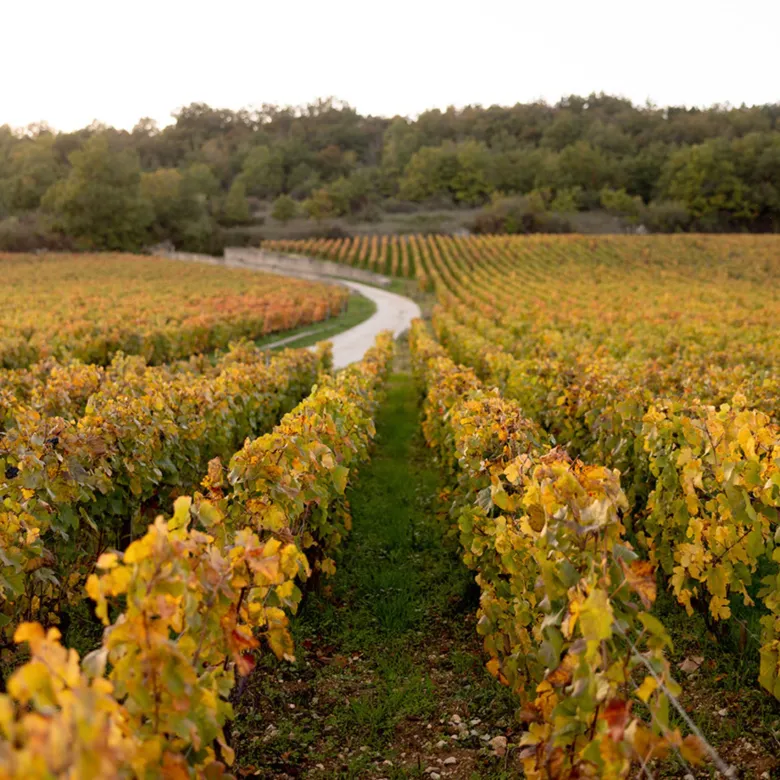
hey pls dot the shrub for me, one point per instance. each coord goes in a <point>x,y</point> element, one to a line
<point>284,209</point>
<point>236,211</point>
<point>396,206</point>
<point>29,233</point>
<point>369,213</point>
<point>620,203</point>
<point>519,215</point>
<point>566,200</point>
<point>667,216</point>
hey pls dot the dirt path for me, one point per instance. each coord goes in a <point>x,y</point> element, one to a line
<point>393,312</point>
<point>389,682</point>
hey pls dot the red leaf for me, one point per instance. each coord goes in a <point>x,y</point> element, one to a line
<point>616,714</point>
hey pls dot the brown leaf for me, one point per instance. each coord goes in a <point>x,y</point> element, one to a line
<point>640,576</point>
<point>285,535</point>
<point>529,714</point>
<point>241,639</point>
<point>692,749</point>
<point>245,663</point>
<point>536,518</point>
<point>564,673</point>
<point>648,745</point>
<point>691,664</point>
<point>616,714</point>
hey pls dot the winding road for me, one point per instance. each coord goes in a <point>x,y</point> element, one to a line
<point>393,312</point>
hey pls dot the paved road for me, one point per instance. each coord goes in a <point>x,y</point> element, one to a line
<point>393,312</point>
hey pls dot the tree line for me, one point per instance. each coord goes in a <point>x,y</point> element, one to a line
<point>674,168</point>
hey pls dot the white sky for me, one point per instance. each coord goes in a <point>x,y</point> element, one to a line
<point>71,61</point>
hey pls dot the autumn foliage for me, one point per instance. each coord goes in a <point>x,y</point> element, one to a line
<point>188,604</point>
<point>656,356</point>
<point>565,604</point>
<point>90,307</point>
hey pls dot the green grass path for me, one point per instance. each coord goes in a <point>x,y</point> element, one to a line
<point>359,309</point>
<point>389,667</point>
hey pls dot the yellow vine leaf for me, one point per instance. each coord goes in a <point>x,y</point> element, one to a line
<point>646,689</point>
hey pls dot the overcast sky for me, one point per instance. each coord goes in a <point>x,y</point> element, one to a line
<point>71,61</point>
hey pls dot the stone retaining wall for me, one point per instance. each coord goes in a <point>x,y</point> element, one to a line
<point>284,265</point>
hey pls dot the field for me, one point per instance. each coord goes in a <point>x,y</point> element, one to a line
<point>98,442</point>
<point>91,307</point>
<point>634,439</point>
<point>560,562</point>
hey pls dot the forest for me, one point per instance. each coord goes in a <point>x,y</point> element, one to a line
<point>216,176</point>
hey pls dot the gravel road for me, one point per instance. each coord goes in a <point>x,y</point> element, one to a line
<point>393,312</point>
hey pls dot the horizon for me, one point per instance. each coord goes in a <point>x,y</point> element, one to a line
<point>647,104</point>
<point>93,63</point>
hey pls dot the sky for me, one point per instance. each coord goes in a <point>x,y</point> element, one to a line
<point>69,63</point>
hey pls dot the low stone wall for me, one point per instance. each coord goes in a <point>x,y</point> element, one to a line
<point>285,265</point>
<point>298,265</point>
<point>189,257</point>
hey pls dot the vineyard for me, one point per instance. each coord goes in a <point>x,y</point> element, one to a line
<point>212,563</point>
<point>609,428</point>
<point>99,444</point>
<point>90,307</point>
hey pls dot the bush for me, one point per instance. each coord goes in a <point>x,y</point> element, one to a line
<point>284,209</point>
<point>319,206</point>
<point>30,233</point>
<point>667,216</point>
<point>519,215</point>
<point>620,203</point>
<point>307,231</point>
<point>203,236</point>
<point>236,236</point>
<point>332,231</point>
<point>567,201</point>
<point>396,206</point>
<point>236,210</point>
<point>439,202</point>
<point>369,213</point>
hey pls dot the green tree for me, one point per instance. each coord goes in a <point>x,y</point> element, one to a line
<point>162,188</point>
<point>348,195</point>
<point>333,161</point>
<point>174,203</point>
<point>578,165</point>
<point>515,170</point>
<point>565,130</point>
<point>639,173</point>
<point>303,180</point>
<point>756,159</point>
<point>340,194</point>
<point>566,200</point>
<point>199,179</point>
<point>263,172</point>
<point>401,141</point>
<point>620,203</point>
<point>705,181</point>
<point>319,206</point>
<point>32,168</point>
<point>430,172</point>
<point>100,203</point>
<point>236,210</point>
<point>471,185</point>
<point>284,209</point>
